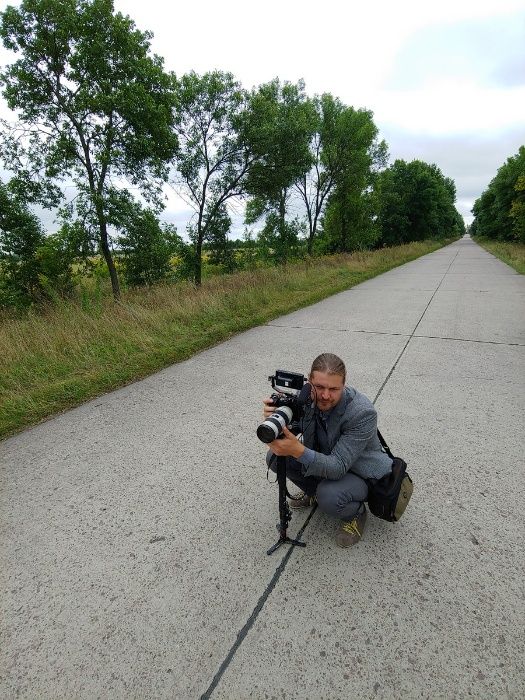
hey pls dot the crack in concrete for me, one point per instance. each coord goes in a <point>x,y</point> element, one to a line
<point>415,329</point>
<point>255,614</point>
<point>389,333</point>
<point>471,340</point>
<point>280,569</point>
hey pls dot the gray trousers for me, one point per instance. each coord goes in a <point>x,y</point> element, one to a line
<point>342,498</point>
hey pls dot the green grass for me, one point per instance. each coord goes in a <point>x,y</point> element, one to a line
<point>511,253</point>
<point>58,357</point>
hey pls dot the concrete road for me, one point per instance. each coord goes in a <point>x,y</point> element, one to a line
<point>134,529</point>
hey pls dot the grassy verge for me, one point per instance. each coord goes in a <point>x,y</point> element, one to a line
<point>72,352</point>
<point>511,253</point>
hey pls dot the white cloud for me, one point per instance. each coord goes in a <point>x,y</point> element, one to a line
<point>433,74</point>
<point>461,61</point>
<point>451,107</point>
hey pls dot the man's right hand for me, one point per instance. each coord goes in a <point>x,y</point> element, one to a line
<point>268,409</point>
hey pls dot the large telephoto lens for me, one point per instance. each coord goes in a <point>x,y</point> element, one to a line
<point>273,426</point>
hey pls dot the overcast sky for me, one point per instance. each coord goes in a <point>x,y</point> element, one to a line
<point>445,81</point>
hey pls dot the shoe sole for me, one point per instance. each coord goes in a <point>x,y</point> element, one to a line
<point>344,545</point>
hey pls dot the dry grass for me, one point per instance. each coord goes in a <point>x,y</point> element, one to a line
<point>511,253</point>
<point>65,354</point>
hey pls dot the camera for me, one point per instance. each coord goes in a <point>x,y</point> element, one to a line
<point>292,397</point>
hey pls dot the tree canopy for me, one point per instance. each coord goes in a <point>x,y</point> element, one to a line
<point>33,267</point>
<point>278,126</point>
<point>417,202</point>
<point>95,106</point>
<point>213,159</point>
<point>500,210</point>
<point>20,237</point>
<point>99,116</point>
<point>350,221</point>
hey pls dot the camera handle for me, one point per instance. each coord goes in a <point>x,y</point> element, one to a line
<point>285,513</point>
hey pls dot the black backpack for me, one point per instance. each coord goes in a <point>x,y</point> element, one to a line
<point>388,497</point>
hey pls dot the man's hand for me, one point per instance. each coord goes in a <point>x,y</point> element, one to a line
<point>288,446</point>
<point>269,408</point>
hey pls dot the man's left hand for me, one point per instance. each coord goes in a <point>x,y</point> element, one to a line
<point>288,446</point>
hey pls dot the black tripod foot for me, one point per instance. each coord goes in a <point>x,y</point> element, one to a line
<point>285,513</point>
<point>285,540</point>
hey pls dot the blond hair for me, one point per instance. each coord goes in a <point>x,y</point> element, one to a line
<point>330,364</point>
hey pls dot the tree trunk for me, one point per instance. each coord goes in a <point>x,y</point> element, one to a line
<point>198,260</point>
<point>282,232</point>
<point>313,231</point>
<point>344,225</point>
<point>106,252</point>
<point>96,198</point>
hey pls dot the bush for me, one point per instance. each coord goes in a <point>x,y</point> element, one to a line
<point>147,249</point>
<point>21,237</point>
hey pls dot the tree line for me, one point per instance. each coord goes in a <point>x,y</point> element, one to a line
<point>500,211</point>
<point>98,113</point>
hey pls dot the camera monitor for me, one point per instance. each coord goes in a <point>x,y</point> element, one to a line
<point>287,382</point>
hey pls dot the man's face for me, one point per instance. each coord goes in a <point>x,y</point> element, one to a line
<point>327,389</point>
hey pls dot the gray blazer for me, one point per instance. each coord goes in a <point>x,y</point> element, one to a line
<point>352,438</point>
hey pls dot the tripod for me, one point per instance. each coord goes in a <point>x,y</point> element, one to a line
<point>284,509</point>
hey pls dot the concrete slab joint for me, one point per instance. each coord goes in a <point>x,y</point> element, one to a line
<point>135,527</point>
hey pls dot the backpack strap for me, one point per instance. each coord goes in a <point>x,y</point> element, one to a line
<point>386,448</point>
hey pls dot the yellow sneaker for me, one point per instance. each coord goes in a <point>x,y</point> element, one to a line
<point>351,531</point>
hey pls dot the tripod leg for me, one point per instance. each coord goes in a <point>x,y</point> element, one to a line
<point>285,540</point>
<point>274,547</point>
<point>285,513</point>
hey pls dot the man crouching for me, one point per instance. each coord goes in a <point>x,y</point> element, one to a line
<point>338,451</point>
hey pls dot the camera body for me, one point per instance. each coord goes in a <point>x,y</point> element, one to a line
<point>292,397</point>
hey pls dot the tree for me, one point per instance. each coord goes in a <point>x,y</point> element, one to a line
<point>344,153</point>
<point>497,210</point>
<point>517,210</point>
<point>95,107</point>
<point>417,202</point>
<point>278,126</point>
<point>279,242</point>
<point>484,223</point>
<point>221,249</point>
<point>315,185</point>
<point>213,158</point>
<point>350,220</point>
